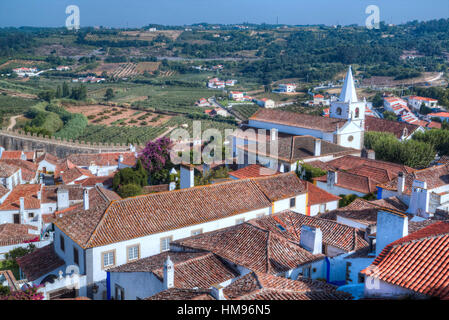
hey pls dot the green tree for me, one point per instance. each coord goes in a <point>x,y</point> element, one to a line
<point>65,90</point>
<point>130,190</point>
<point>389,115</point>
<point>412,153</point>
<point>109,94</point>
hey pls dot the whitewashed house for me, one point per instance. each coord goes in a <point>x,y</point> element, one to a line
<point>149,223</point>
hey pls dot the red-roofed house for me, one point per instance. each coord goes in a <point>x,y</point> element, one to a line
<point>443,116</point>
<point>319,200</point>
<point>415,266</point>
<point>10,154</point>
<point>416,102</point>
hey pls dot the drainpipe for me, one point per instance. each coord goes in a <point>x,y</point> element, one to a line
<point>328,270</point>
<point>108,285</point>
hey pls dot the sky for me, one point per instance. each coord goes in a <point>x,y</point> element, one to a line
<point>138,13</point>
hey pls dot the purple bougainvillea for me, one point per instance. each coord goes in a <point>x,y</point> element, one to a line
<point>29,293</point>
<point>156,154</point>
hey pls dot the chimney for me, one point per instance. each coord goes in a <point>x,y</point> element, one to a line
<point>172,186</point>
<point>317,151</point>
<point>273,134</point>
<point>420,199</point>
<point>217,292</point>
<point>169,274</point>
<point>401,183</point>
<point>332,178</point>
<point>187,176</point>
<point>22,206</point>
<point>62,198</point>
<point>391,226</point>
<point>120,159</point>
<point>39,195</point>
<point>86,199</point>
<point>311,239</point>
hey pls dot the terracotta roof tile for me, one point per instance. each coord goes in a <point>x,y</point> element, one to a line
<point>335,234</point>
<point>71,175</point>
<point>39,262</point>
<point>418,262</point>
<point>10,154</point>
<point>298,120</point>
<point>102,159</point>
<point>191,269</point>
<point>318,196</point>
<point>28,192</point>
<point>435,177</point>
<point>262,286</point>
<point>253,171</point>
<point>183,294</point>
<point>394,127</point>
<point>11,234</point>
<point>48,157</point>
<point>252,247</point>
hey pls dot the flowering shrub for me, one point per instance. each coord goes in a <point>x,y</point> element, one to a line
<point>29,293</point>
<point>156,154</point>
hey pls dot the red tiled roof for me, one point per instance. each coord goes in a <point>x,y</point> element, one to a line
<point>262,286</point>
<point>29,169</point>
<point>71,175</point>
<point>351,181</point>
<point>39,262</point>
<point>159,212</point>
<point>252,247</point>
<point>418,262</point>
<point>48,157</point>
<point>63,166</point>
<point>92,181</point>
<point>9,154</point>
<point>350,162</point>
<point>183,294</point>
<point>335,234</point>
<point>422,98</point>
<point>11,234</point>
<point>28,192</point>
<point>191,269</point>
<point>103,159</point>
<point>7,170</point>
<point>435,177</point>
<point>253,171</point>
<point>318,196</point>
<point>394,127</point>
<point>29,155</point>
<point>298,120</point>
<point>281,186</point>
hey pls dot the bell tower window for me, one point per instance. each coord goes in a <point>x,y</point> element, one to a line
<point>357,112</point>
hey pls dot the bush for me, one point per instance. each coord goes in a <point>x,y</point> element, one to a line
<point>130,190</point>
<point>412,153</point>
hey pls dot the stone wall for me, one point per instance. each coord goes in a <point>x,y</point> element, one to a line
<point>16,140</point>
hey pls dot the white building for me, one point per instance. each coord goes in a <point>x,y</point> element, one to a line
<point>147,224</point>
<point>344,127</point>
<point>287,87</point>
<point>416,102</point>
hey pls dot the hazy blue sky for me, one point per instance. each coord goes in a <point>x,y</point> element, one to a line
<point>137,13</point>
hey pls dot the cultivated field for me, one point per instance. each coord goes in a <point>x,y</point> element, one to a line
<point>110,116</point>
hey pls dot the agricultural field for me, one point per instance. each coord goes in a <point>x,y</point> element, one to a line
<point>109,116</point>
<point>245,111</point>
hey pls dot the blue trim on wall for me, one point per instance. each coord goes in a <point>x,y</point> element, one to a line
<point>379,193</point>
<point>108,285</point>
<point>328,269</point>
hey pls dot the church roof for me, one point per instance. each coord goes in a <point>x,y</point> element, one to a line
<point>348,93</point>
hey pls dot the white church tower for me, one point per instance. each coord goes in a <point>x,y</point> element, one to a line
<point>348,106</point>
